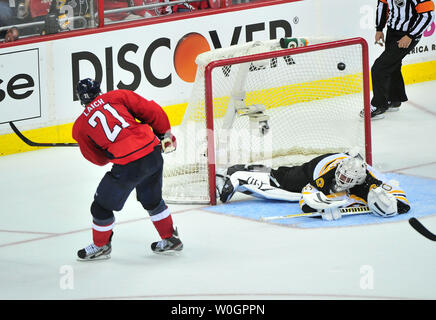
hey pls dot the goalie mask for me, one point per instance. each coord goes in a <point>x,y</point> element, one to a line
<point>87,90</point>
<point>350,172</point>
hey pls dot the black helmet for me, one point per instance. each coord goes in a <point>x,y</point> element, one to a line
<point>87,90</point>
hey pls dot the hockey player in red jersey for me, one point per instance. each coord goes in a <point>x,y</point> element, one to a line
<point>123,128</point>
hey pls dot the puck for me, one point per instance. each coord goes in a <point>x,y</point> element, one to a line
<point>341,66</point>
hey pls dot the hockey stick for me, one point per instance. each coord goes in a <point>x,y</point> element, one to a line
<point>39,144</point>
<point>418,226</point>
<point>343,211</point>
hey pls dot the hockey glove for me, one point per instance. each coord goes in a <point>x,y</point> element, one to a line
<point>318,200</point>
<point>382,203</point>
<point>168,142</point>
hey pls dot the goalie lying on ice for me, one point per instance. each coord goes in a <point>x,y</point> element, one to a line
<point>323,184</point>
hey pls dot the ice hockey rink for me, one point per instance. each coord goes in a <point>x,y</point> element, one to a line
<point>228,253</point>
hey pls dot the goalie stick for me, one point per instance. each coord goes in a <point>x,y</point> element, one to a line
<point>344,211</point>
<point>418,226</point>
<point>39,144</point>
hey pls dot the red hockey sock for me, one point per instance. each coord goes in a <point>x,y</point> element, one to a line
<point>163,224</point>
<point>101,234</point>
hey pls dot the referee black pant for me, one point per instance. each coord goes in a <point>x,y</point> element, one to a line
<point>387,79</point>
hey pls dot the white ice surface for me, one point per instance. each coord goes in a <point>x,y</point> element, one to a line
<point>45,219</point>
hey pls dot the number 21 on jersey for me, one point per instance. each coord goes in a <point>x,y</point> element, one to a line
<point>111,134</point>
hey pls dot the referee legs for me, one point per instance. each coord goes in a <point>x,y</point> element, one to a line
<point>387,79</point>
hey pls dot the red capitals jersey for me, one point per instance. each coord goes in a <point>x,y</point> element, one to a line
<point>117,4</point>
<point>108,130</point>
<point>191,6</point>
<point>39,8</point>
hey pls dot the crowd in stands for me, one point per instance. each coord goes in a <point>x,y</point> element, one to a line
<point>22,18</point>
<point>28,17</point>
<point>165,9</point>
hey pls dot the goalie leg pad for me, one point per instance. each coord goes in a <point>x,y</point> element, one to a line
<point>259,179</point>
<point>258,168</point>
<point>237,167</point>
<point>252,168</point>
<point>270,193</point>
<point>256,184</point>
<point>238,178</point>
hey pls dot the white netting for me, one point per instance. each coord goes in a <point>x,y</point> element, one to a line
<point>310,105</point>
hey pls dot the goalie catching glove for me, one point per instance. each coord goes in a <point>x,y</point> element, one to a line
<point>168,142</point>
<point>329,207</point>
<point>382,203</point>
<point>318,200</point>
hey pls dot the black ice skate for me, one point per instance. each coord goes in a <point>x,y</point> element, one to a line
<point>376,112</point>
<point>168,245</point>
<point>92,252</point>
<point>393,106</point>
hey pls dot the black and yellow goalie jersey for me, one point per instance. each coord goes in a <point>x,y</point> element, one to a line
<point>319,175</point>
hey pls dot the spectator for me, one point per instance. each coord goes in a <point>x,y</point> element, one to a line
<point>40,11</point>
<point>12,34</point>
<point>185,7</point>
<point>160,11</point>
<point>7,16</point>
<point>117,4</point>
<point>6,13</point>
<point>192,6</point>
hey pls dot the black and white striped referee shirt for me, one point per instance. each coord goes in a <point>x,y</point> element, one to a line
<point>410,16</point>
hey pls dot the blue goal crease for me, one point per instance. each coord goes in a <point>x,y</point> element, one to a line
<point>421,193</point>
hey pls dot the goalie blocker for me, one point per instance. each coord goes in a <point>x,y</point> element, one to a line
<point>323,184</point>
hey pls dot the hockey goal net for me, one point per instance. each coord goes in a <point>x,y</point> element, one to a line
<point>277,102</point>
